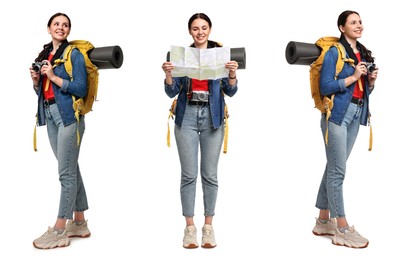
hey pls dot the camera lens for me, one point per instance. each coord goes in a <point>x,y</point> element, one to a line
<point>36,67</point>
<point>201,96</point>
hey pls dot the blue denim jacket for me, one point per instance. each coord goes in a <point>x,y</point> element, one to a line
<point>63,95</point>
<point>343,93</point>
<point>216,98</point>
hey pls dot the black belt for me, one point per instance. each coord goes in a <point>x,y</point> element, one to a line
<point>48,102</point>
<point>198,103</point>
<point>358,101</point>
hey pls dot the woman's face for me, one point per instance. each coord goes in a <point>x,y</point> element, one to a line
<point>353,27</point>
<point>59,28</point>
<point>200,31</point>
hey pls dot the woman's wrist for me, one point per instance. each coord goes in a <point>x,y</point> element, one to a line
<point>232,77</point>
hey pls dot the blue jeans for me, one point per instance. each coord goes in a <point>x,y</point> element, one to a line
<point>341,139</point>
<point>197,131</point>
<point>63,140</point>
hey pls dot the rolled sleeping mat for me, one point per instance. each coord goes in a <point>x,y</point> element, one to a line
<point>237,54</point>
<point>109,57</point>
<point>301,53</point>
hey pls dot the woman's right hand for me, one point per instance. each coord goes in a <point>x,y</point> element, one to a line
<point>360,70</point>
<point>167,67</point>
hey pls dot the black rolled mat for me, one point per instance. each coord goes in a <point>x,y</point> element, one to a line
<point>109,57</point>
<point>301,53</point>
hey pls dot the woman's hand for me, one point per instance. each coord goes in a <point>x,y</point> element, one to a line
<point>232,66</point>
<point>35,77</point>
<point>47,69</point>
<point>372,77</point>
<point>167,67</point>
<point>360,70</point>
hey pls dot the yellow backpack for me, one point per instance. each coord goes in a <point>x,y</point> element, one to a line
<point>324,103</point>
<point>83,105</point>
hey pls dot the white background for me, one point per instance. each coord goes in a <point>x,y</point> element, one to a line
<point>269,178</point>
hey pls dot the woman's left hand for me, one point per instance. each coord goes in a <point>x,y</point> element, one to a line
<point>232,66</point>
<point>372,77</point>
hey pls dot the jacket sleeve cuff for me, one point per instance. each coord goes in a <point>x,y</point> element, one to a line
<point>342,86</point>
<point>65,83</point>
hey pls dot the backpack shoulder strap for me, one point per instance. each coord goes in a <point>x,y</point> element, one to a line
<point>342,58</point>
<point>66,59</point>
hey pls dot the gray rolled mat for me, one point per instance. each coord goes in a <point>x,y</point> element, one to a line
<point>237,54</point>
<point>301,53</point>
<point>110,57</point>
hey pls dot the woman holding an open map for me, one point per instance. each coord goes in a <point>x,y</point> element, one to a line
<point>199,124</point>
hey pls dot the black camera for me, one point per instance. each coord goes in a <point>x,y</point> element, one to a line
<point>202,96</point>
<point>371,67</point>
<point>37,65</point>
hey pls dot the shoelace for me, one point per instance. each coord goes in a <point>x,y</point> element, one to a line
<point>207,232</point>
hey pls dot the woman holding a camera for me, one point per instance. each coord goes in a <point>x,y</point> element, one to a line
<point>55,92</point>
<point>351,91</point>
<point>199,129</point>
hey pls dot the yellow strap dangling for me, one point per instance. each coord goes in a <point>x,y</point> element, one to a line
<point>370,134</point>
<point>226,136</point>
<point>329,105</point>
<point>35,135</point>
<point>171,110</point>
<point>77,116</point>
<point>360,84</point>
<point>47,84</point>
<point>168,136</point>
<point>328,114</point>
<point>226,130</point>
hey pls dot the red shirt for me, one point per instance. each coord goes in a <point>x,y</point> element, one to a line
<point>200,85</point>
<point>357,92</point>
<point>49,93</point>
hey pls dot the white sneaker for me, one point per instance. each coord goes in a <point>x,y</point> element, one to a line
<point>75,230</point>
<point>51,239</point>
<point>351,238</point>
<point>190,240</point>
<point>208,240</point>
<point>327,229</point>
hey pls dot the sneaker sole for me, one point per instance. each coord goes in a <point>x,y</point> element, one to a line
<point>208,245</point>
<point>59,244</point>
<point>191,246</point>
<point>339,244</point>
<point>322,234</point>
<point>80,236</point>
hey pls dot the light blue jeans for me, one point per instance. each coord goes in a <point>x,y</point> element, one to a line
<point>197,132</point>
<point>63,140</point>
<point>341,139</point>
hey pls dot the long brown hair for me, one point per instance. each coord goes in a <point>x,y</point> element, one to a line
<point>47,47</point>
<point>342,19</point>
